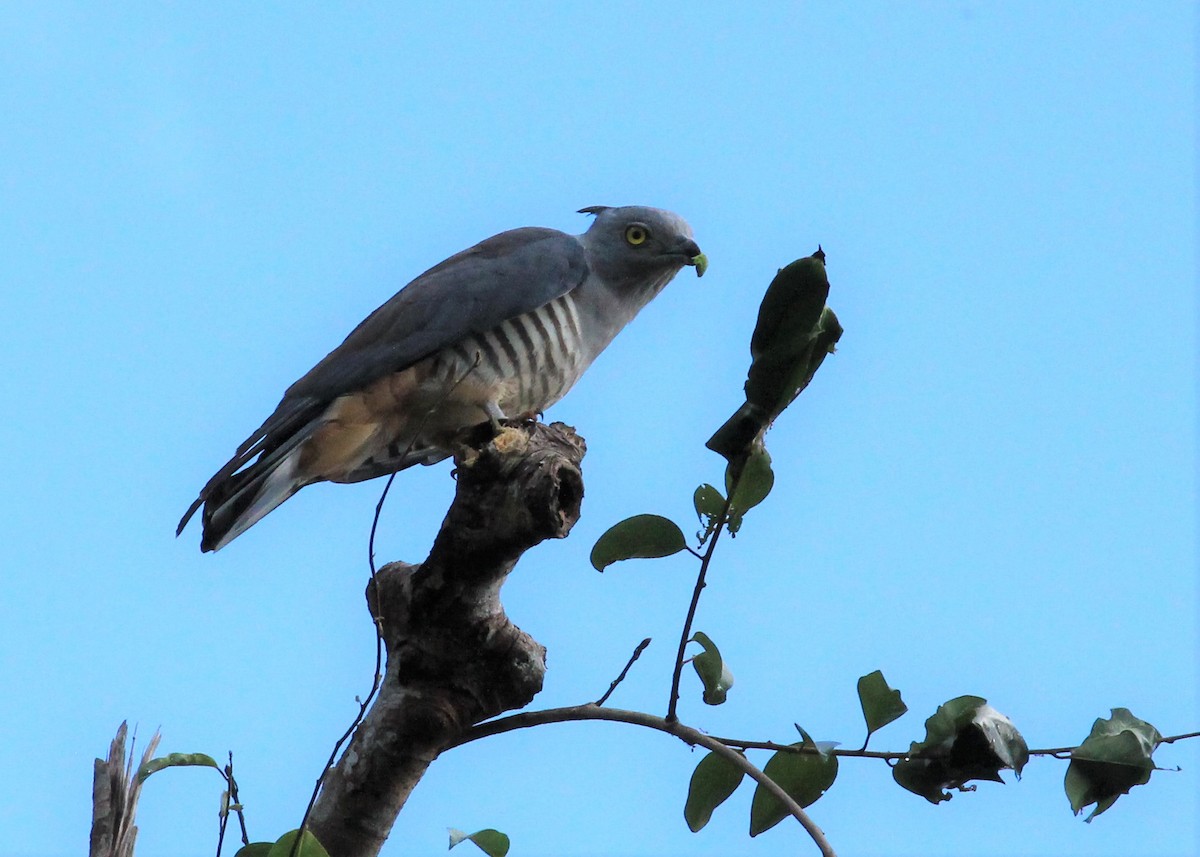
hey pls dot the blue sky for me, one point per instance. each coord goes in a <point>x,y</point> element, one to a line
<point>990,489</point>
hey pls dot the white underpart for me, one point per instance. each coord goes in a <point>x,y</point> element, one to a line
<point>532,360</point>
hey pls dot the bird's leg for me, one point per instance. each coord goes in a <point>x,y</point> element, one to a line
<point>495,415</point>
<point>478,434</point>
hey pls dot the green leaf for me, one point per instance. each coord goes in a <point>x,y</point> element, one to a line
<point>713,781</point>
<point>829,331</point>
<point>255,849</point>
<point>309,846</point>
<point>788,335</point>
<point>803,776</point>
<point>753,479</point>
<point>710,506</point>
<point>795,332</point>
<point>175,760</point>
<point>880,704</point>
<point>965,739</point>
<point>642,536</point>
<point>492,842</point>
<point>1115,757</point>
<point>791,306</point>
<point>712,669</point>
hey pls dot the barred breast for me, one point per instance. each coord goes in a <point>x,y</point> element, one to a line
<point>530,361</point>
<point>522,367</point>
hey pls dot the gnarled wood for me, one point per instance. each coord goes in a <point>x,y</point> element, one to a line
<point>453,657</point>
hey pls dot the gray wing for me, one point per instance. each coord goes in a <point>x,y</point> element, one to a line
<point>473,291</point>
<point>506,275</point>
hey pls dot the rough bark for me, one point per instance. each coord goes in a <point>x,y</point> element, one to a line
<point>453,657</point>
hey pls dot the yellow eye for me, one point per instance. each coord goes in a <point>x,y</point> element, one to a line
<point>636,233</point>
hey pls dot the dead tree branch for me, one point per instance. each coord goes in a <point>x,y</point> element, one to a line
<point>453,657</point>
<point>115,792</point>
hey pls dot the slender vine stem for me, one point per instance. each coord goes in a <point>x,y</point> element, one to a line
<point>687,734</point>
<point>677,674</point>
<point>232,801</point>
<point>236,800</point>
<point>890,755</point>
<point>222,823</point>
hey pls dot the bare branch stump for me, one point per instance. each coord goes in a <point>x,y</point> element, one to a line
<point>115,793</point>
<point>453,657</point>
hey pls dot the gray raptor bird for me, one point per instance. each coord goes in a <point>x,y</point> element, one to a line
<point>502,329</point>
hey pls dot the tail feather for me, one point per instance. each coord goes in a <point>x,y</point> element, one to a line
<point>244,498</point>
<point>230,491</point>
<point>235,499</point>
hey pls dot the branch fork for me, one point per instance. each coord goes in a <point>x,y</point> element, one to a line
<point>454,658</point>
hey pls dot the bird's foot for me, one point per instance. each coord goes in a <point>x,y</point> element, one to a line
<point>528,417</point>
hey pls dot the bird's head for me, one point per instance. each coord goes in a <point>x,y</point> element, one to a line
<point>638,244</point>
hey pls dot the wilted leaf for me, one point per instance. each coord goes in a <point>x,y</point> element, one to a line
<point>713,781</point>
<point>176,760</point>
<point>965,739</point>
<point>1115,757</point>
<point>492,842</point>
<point>642,536</point>
<point>309,846</point>
<point>712,669</point>
<point>880,703</point>
<point>803,776</point>
<point>1003,740</point>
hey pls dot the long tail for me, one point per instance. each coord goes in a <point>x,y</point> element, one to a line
<point>261,475</point>
<point>265,471</point>
<point>244,498</point>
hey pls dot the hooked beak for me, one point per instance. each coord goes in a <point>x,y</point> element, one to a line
<point>695,258</point>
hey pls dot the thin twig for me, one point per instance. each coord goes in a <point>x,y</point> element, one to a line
<point>800,748</point>
<point>232,801</point>
<point>891,756</point>
<point>677,675</point>
<point>236,801</point>
<point>686,734</point>
<point>641,647</point>
<point>1064,752</point>
<point>222,821</point>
